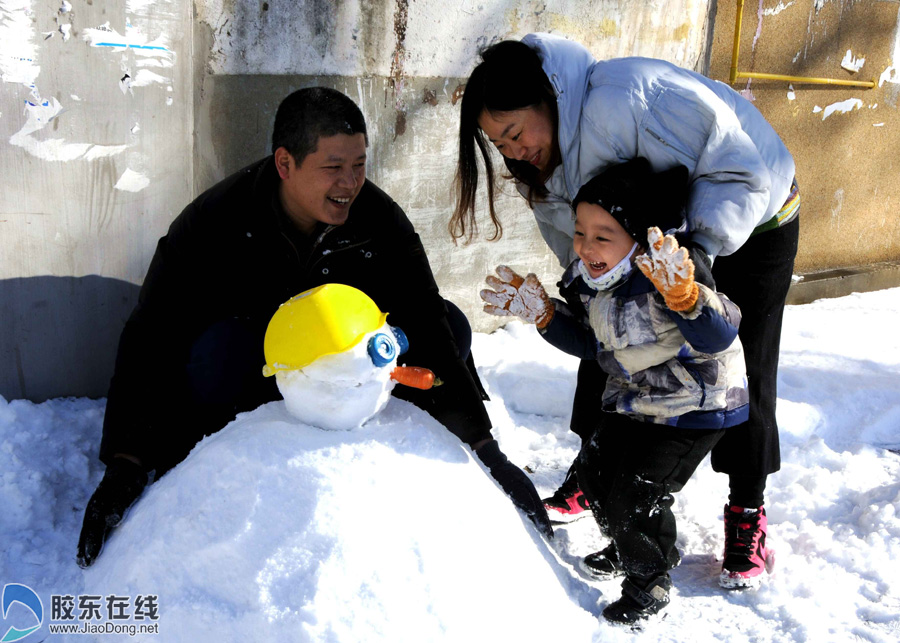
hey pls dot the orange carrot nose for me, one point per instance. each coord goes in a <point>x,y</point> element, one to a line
<point>414,376</point>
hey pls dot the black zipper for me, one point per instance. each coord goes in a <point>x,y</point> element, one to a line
<point>700,383</point>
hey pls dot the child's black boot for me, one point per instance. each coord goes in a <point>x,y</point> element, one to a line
<point>603,564</point>
<point>640,599</point>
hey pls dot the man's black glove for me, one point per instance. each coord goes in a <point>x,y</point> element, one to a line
<point>702,262</point>
<point>516,485</point>
<point>121,485</point>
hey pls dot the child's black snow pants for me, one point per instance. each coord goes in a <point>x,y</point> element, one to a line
<point>629,470</point>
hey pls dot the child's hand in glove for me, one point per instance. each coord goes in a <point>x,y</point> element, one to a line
<point>671,270</point>
<point>513,296</point>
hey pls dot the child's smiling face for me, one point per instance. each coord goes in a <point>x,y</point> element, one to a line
<point>600,240</point>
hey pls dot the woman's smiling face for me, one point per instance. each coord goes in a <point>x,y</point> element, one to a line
<point>600,241</point>
<point>521,134</point>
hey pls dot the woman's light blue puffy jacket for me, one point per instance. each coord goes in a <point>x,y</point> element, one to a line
<point>614,110</point>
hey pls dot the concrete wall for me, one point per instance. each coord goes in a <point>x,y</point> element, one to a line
<point>114,114</point>
<point>845,140</point>
<point>405,64</point>
<point>96,103</point>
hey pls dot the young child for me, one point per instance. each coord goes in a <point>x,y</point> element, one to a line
<point>668,342</point>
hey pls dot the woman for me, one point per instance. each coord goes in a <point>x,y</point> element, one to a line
<point>559,118</point>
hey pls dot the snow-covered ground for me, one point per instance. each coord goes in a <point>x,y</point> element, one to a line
<point>275,531</point>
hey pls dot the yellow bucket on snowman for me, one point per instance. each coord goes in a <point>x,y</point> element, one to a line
<point>325,320</point>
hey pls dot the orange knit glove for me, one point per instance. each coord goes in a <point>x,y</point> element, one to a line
<point>513,296</point>
<point>671,270</point>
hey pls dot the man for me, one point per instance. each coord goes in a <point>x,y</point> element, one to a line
<point>191,354</point>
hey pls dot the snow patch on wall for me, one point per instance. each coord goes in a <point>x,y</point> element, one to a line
<point>852,64</point>
<point>18,51</point>
<point>132,181</point>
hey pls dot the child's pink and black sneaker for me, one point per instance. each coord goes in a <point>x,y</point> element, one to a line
<point>747,555</point>
<point>567,504</point>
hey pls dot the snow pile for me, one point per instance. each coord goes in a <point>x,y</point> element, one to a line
<point>277,529</point>
<point>272,530</point>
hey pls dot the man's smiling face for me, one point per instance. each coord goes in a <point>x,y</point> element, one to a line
<point>325,184</point>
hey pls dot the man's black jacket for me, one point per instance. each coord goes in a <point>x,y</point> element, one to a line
<point>232,254</point>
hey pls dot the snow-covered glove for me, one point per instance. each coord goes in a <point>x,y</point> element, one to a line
<point>671,270</point>
<point>121,485</point>
<point>517,486</point>
<point>513,296</point>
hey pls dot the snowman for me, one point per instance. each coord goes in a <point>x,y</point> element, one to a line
<point>334,357</point>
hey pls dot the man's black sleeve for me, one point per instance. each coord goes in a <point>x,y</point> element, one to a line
<point>415,305</point>
<point>152,352</point>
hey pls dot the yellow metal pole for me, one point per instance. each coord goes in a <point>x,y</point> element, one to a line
<point>737,42</point>
<point>804,79</point>
<point>735,74</point>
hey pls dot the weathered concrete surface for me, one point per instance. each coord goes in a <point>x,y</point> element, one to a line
<point>96,103</point>
<point>405,64</point>
<point>844,139</point>
<point>840,282</point>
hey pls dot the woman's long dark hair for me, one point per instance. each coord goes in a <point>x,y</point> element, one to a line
<point>510,77</point>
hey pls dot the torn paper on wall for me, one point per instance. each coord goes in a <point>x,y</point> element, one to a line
<point>852,64</point>
<point>18,51</point>
<point>132,181</point>
<point>842,107</point>
<point>38,116</point>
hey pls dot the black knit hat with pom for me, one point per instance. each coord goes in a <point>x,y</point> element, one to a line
<point>639,198</point>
